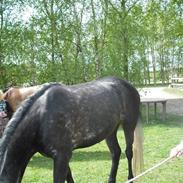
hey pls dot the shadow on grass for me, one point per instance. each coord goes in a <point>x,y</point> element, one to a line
<point>40,161</point>
<point>92,156</point>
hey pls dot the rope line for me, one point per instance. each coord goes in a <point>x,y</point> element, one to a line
<point>150,169</point>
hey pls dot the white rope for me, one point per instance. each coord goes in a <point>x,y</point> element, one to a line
<point>150,169</point>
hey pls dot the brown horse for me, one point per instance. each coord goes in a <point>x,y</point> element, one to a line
<point>15,95</point>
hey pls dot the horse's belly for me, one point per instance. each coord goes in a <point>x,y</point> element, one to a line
<point>92,135</point>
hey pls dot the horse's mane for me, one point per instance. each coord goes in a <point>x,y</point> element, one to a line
<point>18,116</point>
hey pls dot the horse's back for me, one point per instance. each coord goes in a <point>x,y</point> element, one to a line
<point>87,113</point>
<point>106,99</point>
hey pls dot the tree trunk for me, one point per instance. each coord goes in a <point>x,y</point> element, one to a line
<point>96,43</point>
<point>1,32</point>
<point>153,64</point>
<point>125,39</point>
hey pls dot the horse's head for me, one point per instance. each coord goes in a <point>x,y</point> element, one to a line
<point>14,96</point>
<point>9,101</point>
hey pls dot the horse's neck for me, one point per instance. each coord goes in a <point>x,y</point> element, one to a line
<point>11,170</point>
<point>26,92</point>
<point>17,150</point>
<point>13,165</point>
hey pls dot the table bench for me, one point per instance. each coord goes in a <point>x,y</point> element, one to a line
<point>148,101</point>
<point>177,82</point>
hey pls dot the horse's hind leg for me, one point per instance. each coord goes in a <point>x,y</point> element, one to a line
<point>129,137</point>
<point>115,150</point>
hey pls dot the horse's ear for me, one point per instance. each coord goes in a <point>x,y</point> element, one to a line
<point>7,94</point>
<point>1,95</point>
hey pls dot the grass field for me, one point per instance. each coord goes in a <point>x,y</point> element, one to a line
<point>92,165</point>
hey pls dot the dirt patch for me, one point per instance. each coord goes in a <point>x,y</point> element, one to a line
<point>161,92</point>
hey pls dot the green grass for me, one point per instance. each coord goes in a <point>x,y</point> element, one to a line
<point>92,165</point>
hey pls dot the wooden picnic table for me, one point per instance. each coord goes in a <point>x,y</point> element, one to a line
<point>177,82</point>
<point>148,101</point>
<point>177,79</point>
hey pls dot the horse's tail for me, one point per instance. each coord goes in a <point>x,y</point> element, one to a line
<point>138,161</point>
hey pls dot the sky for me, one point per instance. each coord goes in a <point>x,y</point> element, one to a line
<point>23,16</point>
<point>27,13</point>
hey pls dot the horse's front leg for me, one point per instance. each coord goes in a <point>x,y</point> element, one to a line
<point>61,168</point>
